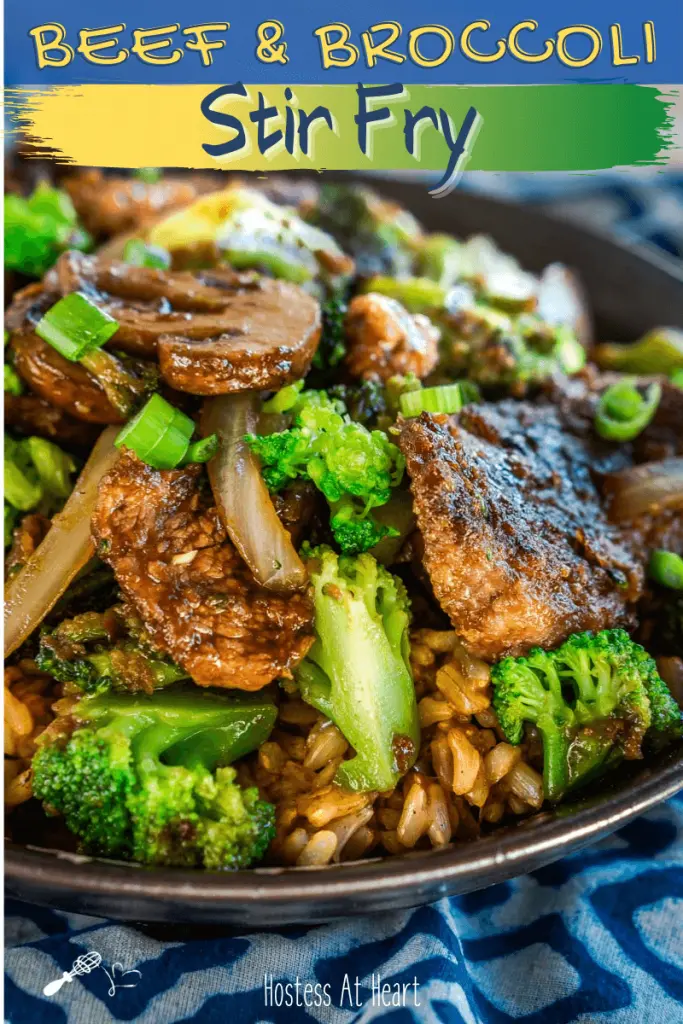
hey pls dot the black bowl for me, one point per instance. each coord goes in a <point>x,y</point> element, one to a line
<point>630,291</point>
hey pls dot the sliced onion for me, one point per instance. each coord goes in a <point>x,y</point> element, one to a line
<point>562,299</point>
<point>62,554</point>
<point>646,489</point>
<point>242,496</point>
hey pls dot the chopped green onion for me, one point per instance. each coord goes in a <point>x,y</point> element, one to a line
<point>623,412</point>
<point>22,488</point>
<point>75,326</point>
<point>141,254</point>
<point>13,382</point>
<point>150,175</point>
<point>159,434</point>
<point>440,259</point>
<point>448,398</point>
<point>52,202</point>
<point>417,294</point>
<point>666,568</point>
<point>677,378</point>
<point>284,399</point>
<point>201,451</point>
<point>659,351</point>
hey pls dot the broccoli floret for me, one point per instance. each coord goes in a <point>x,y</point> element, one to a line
<point>348,463</point>
<point>39,228</point>
<point>146,778</point>
<point>356,531</point>
<point>491,337</point>
<point>440,259</point>
<point>357,672</point>
<point>365,401</point>
<point>593,700</point>
<point>332,347</point>
<point>378,233</point>
<point>37,478</point>
<point>500,351</point>
<point>100,651</point>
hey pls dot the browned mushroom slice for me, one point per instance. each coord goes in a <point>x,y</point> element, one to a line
<point>29,414</point>
<point>67,385</point>
<point>265,338</point>
<point>148,303</point>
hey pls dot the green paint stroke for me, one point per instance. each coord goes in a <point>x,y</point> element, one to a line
<point>547,128</point>
<point>525,128</point>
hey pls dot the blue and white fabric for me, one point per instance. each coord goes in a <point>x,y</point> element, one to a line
<point>597,937</point>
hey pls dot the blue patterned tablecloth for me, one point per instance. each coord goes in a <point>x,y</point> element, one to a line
<point>597,937</point>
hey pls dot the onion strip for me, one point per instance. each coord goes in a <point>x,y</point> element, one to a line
<point>242,496</point>
<point>62,554</point>
<point>645,489</point>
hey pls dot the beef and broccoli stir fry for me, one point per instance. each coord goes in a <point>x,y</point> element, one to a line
<point>326,537</point>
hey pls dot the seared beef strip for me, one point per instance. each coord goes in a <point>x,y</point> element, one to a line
<point>384,339</point>
<point>162,536</point>
<point>110,204</point>
<point>299,508</point>
<point>577,400</point>
<point>516,544</point>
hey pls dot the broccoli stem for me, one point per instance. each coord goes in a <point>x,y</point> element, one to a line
<point>555,753</point>
<point>357,671</point>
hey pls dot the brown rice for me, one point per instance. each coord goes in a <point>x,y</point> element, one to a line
<point>466,777</point>
<point>29,695</point>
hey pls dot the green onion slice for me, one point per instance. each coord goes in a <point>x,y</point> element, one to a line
<point>666,568</point>
<point>447,398</point>
<point>623,411</point>
<point>677,378</point>
<point>13,382</point>
<point>149,175</point>
<point>159,434</point>
<point>75,326</point>
<point>201,451</point>
<point>285,399</point>
<point>141,254</point>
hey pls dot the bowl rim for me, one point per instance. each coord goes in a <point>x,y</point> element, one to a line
<point>508,852</point>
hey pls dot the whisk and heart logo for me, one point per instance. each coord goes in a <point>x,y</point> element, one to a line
<point>87,962</point>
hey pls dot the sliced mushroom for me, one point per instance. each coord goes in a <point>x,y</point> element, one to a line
<point>64,384</point>
<point>149,303</point>
<point>265,338</point>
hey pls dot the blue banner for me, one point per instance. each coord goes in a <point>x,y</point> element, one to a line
<point>49,42</point>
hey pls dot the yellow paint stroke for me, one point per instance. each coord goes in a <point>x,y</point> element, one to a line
<point>163,126</point>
